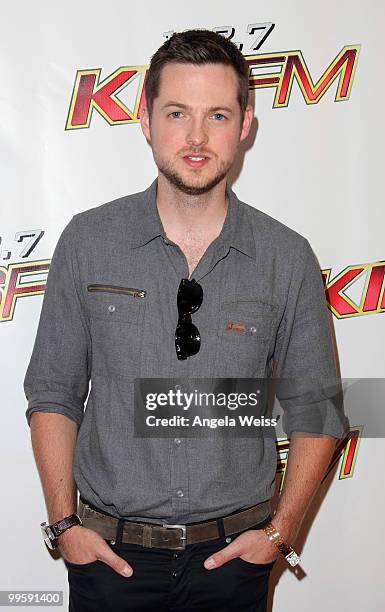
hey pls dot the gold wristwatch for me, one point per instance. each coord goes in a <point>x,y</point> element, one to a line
<point>286,550</point>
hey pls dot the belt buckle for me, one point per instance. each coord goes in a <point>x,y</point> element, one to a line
<point>183,536</point>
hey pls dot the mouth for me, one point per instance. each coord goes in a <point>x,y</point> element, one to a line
<point>196,161</point>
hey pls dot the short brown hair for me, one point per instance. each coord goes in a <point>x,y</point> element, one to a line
<point>197,47</point>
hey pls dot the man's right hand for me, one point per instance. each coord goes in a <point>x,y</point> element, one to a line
<point>81,545</point>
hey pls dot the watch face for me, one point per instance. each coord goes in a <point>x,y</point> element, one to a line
<point>48,536</point>
<point>293,559</point>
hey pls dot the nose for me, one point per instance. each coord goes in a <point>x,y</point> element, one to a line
<point>197,135</point>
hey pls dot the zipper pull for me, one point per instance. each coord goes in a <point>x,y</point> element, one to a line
<point>138,293</point>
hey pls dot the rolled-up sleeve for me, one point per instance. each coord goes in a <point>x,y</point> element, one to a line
<point>58,374</point>
<point>307,384</point>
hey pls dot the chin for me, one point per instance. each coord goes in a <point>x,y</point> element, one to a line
<point>194,190</point>
<point>193,187</point>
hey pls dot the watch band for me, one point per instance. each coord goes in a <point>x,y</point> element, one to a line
<point>69,521</point>
<point>285,549</point>
<point>53,531</point>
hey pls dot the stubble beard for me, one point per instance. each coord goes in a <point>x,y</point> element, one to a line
<point>177,180</point>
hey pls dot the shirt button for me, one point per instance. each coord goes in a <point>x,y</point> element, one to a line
<point>111,308</point>
<point>179,493</point>
<point>174,574</point>
<point>177,441</point>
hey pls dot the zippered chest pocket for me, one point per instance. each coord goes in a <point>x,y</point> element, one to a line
<point>116,303</point>
<point>117,318</point>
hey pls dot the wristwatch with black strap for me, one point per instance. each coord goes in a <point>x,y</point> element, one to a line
<point>53,531</point>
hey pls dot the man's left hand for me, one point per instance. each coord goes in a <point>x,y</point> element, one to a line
<point>252,545</point>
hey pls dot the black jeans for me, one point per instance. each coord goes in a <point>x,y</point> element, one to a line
<point>170,581</point>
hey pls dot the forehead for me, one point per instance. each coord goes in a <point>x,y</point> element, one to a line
<point>195,83</point>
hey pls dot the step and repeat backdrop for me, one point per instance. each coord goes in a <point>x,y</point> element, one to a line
<point>72,84</point>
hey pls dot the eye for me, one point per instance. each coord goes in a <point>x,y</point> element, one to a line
<point>175,113</point>
<point>219,116</point>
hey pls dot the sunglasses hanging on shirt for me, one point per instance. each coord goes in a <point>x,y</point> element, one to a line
<point>187,336</point>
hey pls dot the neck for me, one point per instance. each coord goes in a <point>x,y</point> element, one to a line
<point>182,213</point>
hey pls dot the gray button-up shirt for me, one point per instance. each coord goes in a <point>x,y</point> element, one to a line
<point>257,271</point>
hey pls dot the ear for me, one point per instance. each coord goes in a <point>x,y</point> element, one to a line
<point>145,123</point>
<point>247,121</point>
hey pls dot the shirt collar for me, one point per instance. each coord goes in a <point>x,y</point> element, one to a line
<point>236,231</point>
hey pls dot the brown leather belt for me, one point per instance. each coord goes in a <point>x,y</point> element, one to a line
<point>170,536</point>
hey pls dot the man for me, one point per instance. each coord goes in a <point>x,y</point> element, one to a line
<point>177,523</point>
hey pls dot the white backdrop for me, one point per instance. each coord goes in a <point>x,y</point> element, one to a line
<point>317,167</point>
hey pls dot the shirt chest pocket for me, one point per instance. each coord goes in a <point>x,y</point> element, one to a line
<point>117,318</point>
<point>245,337</point>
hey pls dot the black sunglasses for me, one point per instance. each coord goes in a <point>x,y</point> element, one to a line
<point>187,336</point>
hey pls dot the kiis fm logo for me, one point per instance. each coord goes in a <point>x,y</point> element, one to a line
<point>16,282</point>
<point>19,280</point>
<point>276,70</point>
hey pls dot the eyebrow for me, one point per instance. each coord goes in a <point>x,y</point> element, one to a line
<point>212,109</point>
